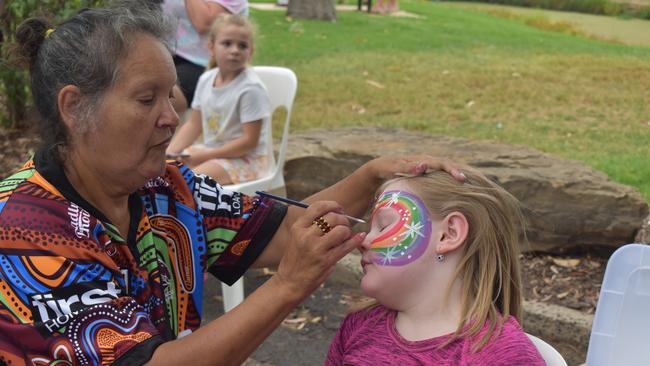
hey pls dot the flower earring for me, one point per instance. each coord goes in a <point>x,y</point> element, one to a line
<point>440,257</point>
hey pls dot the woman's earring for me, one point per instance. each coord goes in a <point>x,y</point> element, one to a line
<point>440,257</point>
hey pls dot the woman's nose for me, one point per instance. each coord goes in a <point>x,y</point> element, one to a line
<point>169,117</point>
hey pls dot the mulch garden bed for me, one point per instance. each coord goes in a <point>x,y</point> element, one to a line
<point>571,281</point>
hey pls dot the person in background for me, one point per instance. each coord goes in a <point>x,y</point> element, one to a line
<point>194,19</point>
<point>231,109</point>
<point>441,264</point>
<point>103,244</point>
<point>384,7</point>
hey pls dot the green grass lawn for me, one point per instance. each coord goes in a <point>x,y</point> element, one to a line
<point>627,31</point>
<point>470,74</point>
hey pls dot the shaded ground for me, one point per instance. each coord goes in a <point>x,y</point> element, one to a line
<point>573,282</point>
<point>304,337</point>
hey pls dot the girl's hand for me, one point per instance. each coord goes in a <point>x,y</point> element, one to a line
<point>312,251</point>
<point>386,167</point>
<point>193,156</point>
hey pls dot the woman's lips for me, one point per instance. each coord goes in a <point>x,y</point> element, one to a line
<point>164,143</point>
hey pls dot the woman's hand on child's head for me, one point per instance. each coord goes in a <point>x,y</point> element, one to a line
<point>319,238</point>
<point>390,167</point>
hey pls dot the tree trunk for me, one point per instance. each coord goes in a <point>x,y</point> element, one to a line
<point>312,9</point>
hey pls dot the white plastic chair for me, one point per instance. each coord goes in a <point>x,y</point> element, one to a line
<point>550,355</point>
<point>281,83</point>
<point>621,327</point>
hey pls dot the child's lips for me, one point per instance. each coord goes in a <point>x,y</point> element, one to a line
<point>364,263</point>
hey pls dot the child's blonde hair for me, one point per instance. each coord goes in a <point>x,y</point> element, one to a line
<point>489,266</point>
<point>225,20</point>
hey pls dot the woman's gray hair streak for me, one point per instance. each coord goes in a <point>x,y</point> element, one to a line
<point>85,51</point>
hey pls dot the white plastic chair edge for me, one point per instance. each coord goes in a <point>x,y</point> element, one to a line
<point>550,355</point>
<point>232,295</point>
<point>593,357</point>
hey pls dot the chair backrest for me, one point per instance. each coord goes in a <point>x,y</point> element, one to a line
<point>621,327</point>
<point>550,355</point>
<point>281,84</point>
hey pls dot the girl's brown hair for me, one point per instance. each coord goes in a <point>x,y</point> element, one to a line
<point>225,20</point>
<point>489,266</point>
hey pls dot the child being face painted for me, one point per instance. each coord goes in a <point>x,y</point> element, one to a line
<point>398,249</point>
<point>440,262</point>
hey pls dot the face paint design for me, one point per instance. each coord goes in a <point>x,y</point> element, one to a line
<point>405,240</point>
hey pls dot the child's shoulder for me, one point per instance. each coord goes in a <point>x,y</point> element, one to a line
<point>512,330</point>
<point>510,347</point>
<point>208,76</point>
<point>251,78</point>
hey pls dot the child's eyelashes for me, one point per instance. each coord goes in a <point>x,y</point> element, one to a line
<point>382,224</point>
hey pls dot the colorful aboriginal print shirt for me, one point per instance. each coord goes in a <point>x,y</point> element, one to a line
<point>75,291</point>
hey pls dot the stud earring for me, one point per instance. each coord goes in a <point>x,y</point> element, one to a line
<point>440,257</point>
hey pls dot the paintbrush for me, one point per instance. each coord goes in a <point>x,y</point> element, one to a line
<point>177,156</point>
<point>300,204</point>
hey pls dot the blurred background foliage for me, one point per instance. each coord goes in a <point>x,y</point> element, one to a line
<point>14,83</point>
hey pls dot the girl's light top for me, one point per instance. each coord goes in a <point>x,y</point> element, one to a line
<point>224,109</point>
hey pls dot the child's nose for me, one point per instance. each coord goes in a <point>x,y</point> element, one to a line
<point>366,243</point>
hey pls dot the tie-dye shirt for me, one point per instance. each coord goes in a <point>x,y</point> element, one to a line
<point>191,45</point>
<point>75,291</point>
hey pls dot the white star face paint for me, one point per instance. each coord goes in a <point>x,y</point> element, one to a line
<point>405,240</point>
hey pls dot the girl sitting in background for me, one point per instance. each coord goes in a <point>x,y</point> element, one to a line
<point>231,108</point>
<point>441,263</point>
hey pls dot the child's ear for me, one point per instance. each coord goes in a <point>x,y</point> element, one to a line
<point>454,232</point>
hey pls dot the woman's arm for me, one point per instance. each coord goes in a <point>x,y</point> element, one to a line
<point>233,149</point>
<point>230,339</point>
<point>202,13</point>
<point>187,134</point>
<point>355,192</point>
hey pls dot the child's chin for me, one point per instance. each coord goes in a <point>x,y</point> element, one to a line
<point>368,288</point>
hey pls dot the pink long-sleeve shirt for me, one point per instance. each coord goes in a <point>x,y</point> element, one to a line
<point>370,338</point>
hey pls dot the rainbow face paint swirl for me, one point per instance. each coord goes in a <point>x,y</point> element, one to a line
<point>404,241</point>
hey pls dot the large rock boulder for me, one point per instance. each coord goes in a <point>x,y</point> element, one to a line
<point>568,204</point>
